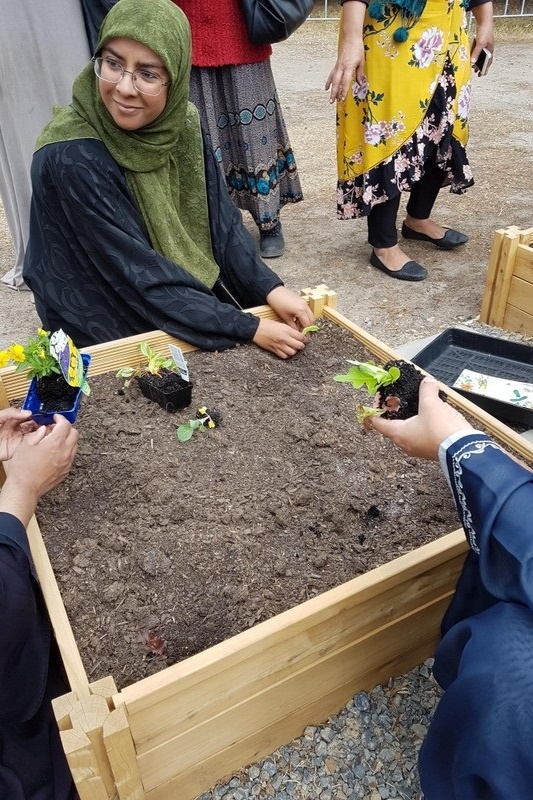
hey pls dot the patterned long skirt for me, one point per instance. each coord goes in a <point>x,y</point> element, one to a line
<point>240,111</point>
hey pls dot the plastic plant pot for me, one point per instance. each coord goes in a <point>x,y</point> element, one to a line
<point>168,390</point>
<point>44,415</point>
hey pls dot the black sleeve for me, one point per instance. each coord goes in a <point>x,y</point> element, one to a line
<point>24,631</point>
<point>242,270</point>
<point>93,270</point>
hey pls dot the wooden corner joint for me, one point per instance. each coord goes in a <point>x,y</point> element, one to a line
<point>81,723</point>
<point>318,297</point>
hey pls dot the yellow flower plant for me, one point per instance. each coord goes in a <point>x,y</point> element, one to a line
<point>34,356</point>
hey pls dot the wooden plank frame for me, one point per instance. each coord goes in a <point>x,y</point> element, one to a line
<point>176,733</point>
<point>508,297</point>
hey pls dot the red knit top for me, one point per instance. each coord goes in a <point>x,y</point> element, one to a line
<point>219,35</point>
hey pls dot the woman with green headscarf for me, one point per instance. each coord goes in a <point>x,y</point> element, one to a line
<point>132,228</point>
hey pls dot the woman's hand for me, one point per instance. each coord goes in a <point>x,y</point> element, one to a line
<point>420,436</point>
<point>484,39</point>
<point>291,308</point>
<point>350,62</point>
<point>14,424</point>
<point>277,337</point>
<point>40,462</point>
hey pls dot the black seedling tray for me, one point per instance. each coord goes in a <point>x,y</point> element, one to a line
<point>457,349</point>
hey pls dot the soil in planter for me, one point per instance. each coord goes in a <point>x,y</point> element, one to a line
<point>55,393</point>
<point>198,541</point>
<point>166,388</point>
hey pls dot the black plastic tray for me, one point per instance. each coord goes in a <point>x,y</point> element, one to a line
<point>457,349</point>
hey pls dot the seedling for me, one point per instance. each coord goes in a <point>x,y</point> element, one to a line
<point>311,329</point>
<point>366,373</point>
<point>396,384</point>
<point>205,420</point>
<point>155,364</point>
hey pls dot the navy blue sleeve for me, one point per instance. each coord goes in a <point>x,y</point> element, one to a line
<point>494,498</point>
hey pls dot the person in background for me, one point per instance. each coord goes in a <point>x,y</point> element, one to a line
<point>41,51</point>
<point>233,87</point>
<point>132,228</point>
<point>402,82</point>
<point>32,761</point>
<point>479,742</point>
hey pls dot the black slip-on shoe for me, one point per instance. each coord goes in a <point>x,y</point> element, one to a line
<point>412,271</point>
<point>271,243</point>
<point>450,239</point>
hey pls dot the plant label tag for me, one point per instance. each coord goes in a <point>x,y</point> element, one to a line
<point>179,361</point>
<point>69,359</point>
<point>507,391</point>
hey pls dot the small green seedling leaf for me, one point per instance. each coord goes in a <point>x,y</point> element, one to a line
<point>311,329</point>
<point>205,419</point>
<point>185,431</point>
<point>364,412</point>
<point>368,374</point>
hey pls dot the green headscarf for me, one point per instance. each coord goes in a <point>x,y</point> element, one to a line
<point>163,162</point>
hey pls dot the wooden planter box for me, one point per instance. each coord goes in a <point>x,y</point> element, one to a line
<point>176,733</point>
<point>508,297</point>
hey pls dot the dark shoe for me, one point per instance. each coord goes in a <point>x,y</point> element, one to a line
<point>271,243</point>
<point>412,271</point>
<point>450,239</point>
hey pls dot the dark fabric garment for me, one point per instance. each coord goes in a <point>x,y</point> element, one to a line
<point>381,221</point>
<point>94,12</point>
<point>93,270</point>
<point>480,742</point>
<point>32,762</point>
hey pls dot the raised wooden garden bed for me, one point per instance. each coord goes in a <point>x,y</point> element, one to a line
<point>174,734</point>
<point>508,297</point>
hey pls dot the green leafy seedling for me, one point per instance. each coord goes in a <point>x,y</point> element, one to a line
<point>311,329</point>
<point>205,419</point>
<point>155,363</point>
<point>366,373</point>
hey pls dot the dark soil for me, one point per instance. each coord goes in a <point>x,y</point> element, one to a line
<point>401,397</point>
<point>168,547</point>
<point>168,389</point>
<point>55,393</point>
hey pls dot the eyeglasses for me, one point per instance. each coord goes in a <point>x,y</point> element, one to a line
<point>144,80</point>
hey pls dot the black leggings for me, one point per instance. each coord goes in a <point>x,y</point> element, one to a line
<point>382,219</point>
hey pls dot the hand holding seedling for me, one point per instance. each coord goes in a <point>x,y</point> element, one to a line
<point>421,435</point>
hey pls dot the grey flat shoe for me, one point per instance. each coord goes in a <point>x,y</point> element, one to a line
<point>412,271</point>
<point>450,239</point>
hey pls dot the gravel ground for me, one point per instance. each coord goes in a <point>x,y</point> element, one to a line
<point>366,752</point>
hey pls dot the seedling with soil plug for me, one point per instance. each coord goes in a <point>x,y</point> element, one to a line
<point>395,386</point>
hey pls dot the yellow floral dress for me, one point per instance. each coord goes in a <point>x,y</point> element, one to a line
<point>415,98</point>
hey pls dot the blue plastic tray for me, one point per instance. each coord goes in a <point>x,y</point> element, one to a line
<point>33,404</point>
<point>457,349</point>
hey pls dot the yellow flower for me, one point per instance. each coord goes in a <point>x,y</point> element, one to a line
<point>41,332</point>
<point>202,410</point>
<point>42,352</point>
<point>4,358</point>
<point>210,424</point>
<point>16,352</point>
